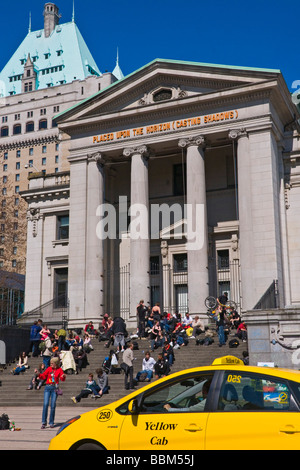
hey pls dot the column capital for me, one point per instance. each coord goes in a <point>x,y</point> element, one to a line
<point>96,157</point>
<point>198,141</point>
<point>235,134</point>
<point>142,150</point>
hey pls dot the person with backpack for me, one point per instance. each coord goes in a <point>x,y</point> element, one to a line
<point>47,351</point>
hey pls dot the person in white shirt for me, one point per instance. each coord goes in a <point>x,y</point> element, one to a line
<point>187,321</point>
<point>148,367</point>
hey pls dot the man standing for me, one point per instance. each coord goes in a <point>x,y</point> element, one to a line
<point>141,317</point>
<point>35,338</point>
<point>128,360</point>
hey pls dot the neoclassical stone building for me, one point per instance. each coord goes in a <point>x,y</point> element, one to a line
<point>184,182</point>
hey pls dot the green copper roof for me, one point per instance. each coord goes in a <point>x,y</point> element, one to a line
<point>60,58</point>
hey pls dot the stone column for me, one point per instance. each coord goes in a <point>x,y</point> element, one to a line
<point>34,261</point>
<point>94,245</point>
<point>259,215</point>
<point>244,212</point>
<point>139,228</point>
<point>196,211</point>
<point>85,249</point>
<point>77,241</point>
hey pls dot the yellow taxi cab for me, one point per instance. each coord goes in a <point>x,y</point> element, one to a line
<point>223,406</point>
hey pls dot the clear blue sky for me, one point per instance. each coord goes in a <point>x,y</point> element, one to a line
<point>260,33</point>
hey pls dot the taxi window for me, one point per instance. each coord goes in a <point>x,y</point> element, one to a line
<point>247,392</point>
<point>186,394</point>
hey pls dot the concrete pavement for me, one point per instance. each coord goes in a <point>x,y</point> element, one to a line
<point>32,437</point>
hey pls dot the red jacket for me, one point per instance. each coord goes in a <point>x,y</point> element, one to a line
<point>53,376</point>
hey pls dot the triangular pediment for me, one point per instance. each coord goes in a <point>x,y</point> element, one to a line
<point>166,83</point>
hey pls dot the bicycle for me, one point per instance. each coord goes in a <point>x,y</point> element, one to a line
<point>212,303</point>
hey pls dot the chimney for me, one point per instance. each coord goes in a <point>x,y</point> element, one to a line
<point>51,18</point>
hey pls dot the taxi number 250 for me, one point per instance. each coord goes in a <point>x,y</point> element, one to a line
<point>234,378</point>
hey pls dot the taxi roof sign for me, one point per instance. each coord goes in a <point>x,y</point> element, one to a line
<point>227,360</point>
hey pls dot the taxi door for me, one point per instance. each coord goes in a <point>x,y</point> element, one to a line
<point>171,415</point>
<point>164,431</point>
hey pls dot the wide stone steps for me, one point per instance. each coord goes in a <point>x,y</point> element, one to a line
<point>13,391</point>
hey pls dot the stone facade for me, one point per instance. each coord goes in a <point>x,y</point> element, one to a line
<point>179,136</point>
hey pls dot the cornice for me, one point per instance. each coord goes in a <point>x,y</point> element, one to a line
<point>23,143</point>
<point>136,116</point>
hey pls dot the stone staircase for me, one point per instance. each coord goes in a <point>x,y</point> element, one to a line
<point>13,389</point>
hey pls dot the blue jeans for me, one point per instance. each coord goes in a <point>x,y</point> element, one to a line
<point>18,370</point>
<point>46,361</point>
<point>148,372</point>
<point>221,335</point>
<point>49,395</point>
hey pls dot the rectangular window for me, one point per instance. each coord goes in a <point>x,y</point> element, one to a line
<point>246,392</point>
<point>179,179</point>
<point>63,223</point>
<point>223,259</point>
<point>61,287</point>
<point>180,263</point>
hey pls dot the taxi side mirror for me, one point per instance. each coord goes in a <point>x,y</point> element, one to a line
<point>133,407</point>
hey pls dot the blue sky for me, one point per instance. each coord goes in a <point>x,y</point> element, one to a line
<point>260,33</point>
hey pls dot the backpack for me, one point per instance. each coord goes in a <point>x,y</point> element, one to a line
<point>106,364</point>
<point>42,346</point>
<point>234,343</point>
<point>4,423</point>
<point>135,345</point>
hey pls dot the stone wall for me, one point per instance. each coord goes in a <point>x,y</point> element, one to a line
<point>274,336</point>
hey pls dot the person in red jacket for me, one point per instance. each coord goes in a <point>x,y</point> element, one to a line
<point>51,376</point>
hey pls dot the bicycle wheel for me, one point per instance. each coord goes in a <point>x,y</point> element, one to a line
<point>210,302</point>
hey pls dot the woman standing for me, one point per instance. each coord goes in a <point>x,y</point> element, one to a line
<point>52,376</point>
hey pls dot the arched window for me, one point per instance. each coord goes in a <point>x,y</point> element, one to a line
<point>30,126</point>
<point>17,129</point>
<point>43,124</point>
<point>4,131</point>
